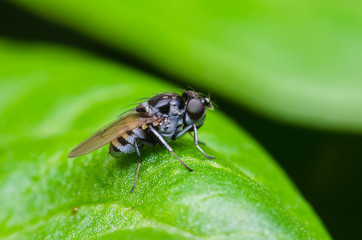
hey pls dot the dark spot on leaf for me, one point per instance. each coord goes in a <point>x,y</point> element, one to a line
<point>75,209</point>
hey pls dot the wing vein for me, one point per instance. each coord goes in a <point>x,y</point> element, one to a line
<point>110,132</point>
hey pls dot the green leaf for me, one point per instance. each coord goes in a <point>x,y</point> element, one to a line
<point>299,62</point>
<point>53,97</point>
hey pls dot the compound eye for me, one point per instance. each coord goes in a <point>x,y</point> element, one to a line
<point>195,109</point>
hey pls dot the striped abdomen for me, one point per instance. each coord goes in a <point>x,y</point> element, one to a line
<point>125,143</point>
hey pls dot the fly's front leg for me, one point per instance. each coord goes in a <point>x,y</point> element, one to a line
<point>198,141</point>
<point>182,132</point>
<point>164,143</point>
<point>197,145</point>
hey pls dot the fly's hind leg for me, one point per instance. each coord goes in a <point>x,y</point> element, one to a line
<point>144,142</point>
<point>138,166</point>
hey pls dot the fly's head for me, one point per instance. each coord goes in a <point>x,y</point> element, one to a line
<point>195,106</point>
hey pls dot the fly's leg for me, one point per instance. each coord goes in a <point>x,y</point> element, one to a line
<point>182,132</point>
<point>197,145</point>
<point>164,143</point>
<point>198,141</point>
<point>138,166</point>
<point>146,142</point>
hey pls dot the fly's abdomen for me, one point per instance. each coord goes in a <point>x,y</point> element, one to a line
<point>125,143</point>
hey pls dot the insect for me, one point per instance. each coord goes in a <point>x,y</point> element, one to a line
<point>164,117</point>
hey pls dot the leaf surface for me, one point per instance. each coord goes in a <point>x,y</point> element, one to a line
<point>53,97</point>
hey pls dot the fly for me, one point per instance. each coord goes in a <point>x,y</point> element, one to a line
<point>162,118</point>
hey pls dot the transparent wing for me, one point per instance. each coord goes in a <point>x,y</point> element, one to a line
<point>107,134</point>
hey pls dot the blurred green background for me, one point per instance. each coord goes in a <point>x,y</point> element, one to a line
<point>289,73</point>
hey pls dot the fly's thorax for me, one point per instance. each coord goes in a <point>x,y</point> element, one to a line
<point>175,110</point>
<point>143,108</point>
<point>169,126</point>
<point>165,104</point>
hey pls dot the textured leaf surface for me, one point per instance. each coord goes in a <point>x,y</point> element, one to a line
<point>294,61</point>
<point>52,98</point>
